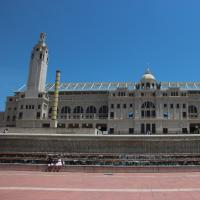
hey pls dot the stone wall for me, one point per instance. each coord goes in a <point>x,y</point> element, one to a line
<point>102,169</point>
<point>50,130</point>
<point>100,144</point>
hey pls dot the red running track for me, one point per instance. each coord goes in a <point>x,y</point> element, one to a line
<point>26,185</point>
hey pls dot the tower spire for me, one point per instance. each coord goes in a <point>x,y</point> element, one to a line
<point>38,68</point>
<point>148,69</point>
<point>42,39</point>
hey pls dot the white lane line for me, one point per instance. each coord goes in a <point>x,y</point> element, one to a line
<point>99,176</point>
<point>101,189</point>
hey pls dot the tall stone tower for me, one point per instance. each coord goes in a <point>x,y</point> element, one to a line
<point>34,106</point>
<point>37,68</point>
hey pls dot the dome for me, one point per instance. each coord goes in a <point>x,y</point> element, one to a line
<point>148,76</point>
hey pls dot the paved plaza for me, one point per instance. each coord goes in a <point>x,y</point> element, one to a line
<point>28,185</point>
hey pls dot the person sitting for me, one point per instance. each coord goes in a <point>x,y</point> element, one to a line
<point>5,130</point>
<point>58,165</point>
<point>50,165</point>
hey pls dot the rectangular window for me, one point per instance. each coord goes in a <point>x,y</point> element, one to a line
<point>184,114</point>
<point>20,115</point>
<point>73,126</point>
<point>131,105</point>
<point>142,128</point>
<point>46,125</point>
<point>153,113</point>
<point>14,118</point>
<point>8,118</point>
<point>184,105</point>
<point>70,125</point>
<point>26,106</point>
<point>142,113</point>
<point>177,105</point>
<point>32,106</point>
<point>21,107</point>
<point>111,130</point>
<point>111,115</point>
<point>153,128</point>
<point>76,126</point>
<point>171,105</point>
<point>39,106</point>
<point>183,94</point>
<point>130,115</point>
<point>165,105</point>
<point>38,115</point>
<point>87,125</point>
<point>165,115</point>
<point>118,105</point>
<point>165,130</point>
<point>184,130</point>
<point>131,94</point>
<point>148,113</point>
<point>131,130</point>
<point>124,105</point>
<point>112,106</point>
<point>174,93</point>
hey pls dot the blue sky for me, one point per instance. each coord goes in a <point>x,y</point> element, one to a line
<point>100,40</point>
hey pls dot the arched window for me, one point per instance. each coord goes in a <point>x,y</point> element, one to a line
<point>91,109</point>
<point>66,110</point>
<point>192,110</point>
<point>90,112</point>
<point>78,112</point>
<point>103,112</point>
<point>78,109</point>
<point>148,110</point>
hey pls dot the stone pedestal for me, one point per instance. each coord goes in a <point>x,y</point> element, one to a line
<point>53,123</point>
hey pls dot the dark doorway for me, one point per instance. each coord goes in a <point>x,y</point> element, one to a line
<point>148,128</point>
<point>102,127</point>
<point>195,128</point>
<point>153,128</point>
<point>142,129</point>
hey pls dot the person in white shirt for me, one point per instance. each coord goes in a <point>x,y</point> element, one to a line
<point>58,165</point>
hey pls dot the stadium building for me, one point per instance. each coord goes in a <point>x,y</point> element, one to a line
<point>147,106</point>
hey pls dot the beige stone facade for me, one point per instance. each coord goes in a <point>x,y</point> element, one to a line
<point>147,106</point>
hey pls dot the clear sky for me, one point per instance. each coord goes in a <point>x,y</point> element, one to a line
<point>100,40</point>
